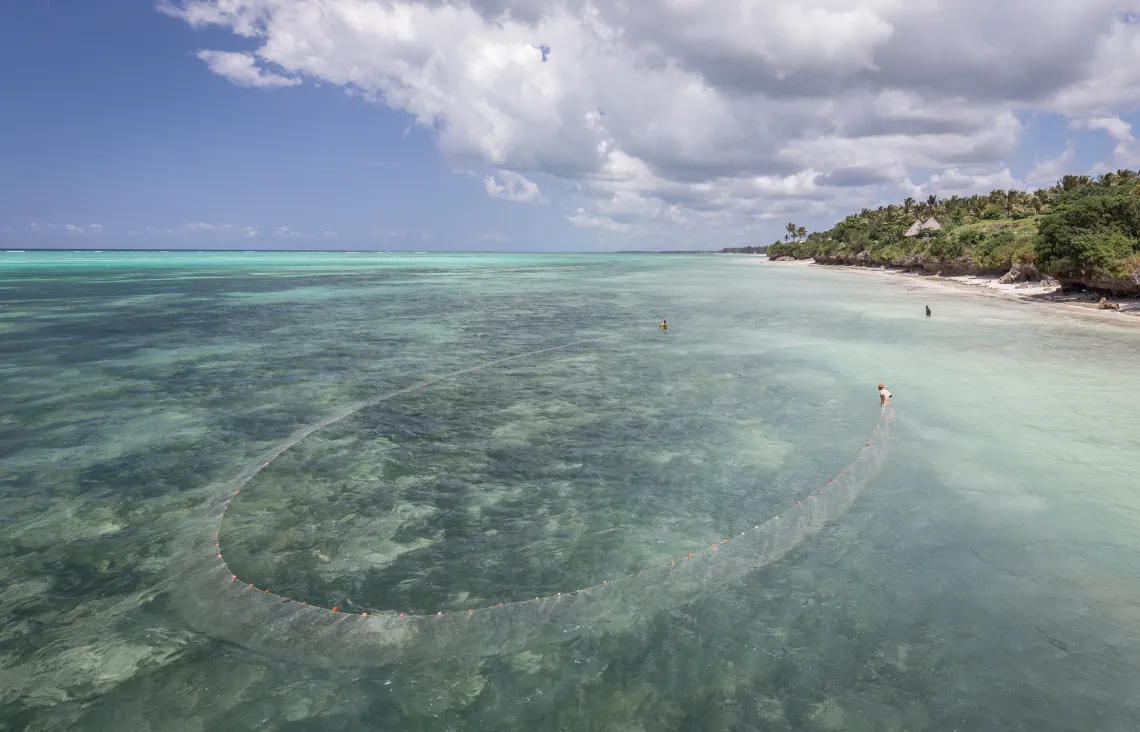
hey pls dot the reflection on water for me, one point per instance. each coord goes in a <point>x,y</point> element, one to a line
<point>988,579</point>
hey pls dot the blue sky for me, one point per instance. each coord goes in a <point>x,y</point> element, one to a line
<point>113,120</point>
<point>115,126</point>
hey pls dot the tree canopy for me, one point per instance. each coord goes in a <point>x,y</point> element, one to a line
<point>1078,227</point>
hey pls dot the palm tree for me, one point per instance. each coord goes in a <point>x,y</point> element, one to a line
<point>908,204</point>
<point>932,203</point>
<point>791,229</point>
<point>1072,182</point>
<point>801,233</point>
<point>1010,200</point>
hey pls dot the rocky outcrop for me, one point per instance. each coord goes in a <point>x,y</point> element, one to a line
<point>1020,272</point>
<point>1104,304</point>
<point>962,266</point>
<point>913,263</point>
<point>958,268</point>
<point>1127,285</point>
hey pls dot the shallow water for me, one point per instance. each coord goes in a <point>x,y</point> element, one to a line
<point>988,578</point>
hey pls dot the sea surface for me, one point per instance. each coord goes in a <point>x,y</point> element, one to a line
<point>988,578</point>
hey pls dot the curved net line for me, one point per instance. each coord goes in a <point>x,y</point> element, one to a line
<point>217,602</point>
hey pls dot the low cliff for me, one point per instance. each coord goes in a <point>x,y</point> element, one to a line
<point>1015,272</point>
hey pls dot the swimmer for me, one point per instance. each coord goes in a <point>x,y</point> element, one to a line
<point>664,325</point>
<point>884,395</point>
<point>928,311</point>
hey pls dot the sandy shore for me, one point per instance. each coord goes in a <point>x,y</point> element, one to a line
<point>1025,292</point>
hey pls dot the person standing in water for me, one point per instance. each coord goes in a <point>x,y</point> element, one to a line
<point>884,395</point>
<point>664,325</point>
<point>928,311</point>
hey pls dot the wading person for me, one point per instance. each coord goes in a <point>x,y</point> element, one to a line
<point>884,395</point>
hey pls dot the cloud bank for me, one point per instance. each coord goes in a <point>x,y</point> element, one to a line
<point>708,115</point>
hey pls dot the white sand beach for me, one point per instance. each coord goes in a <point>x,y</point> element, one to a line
<point>1026,292</point>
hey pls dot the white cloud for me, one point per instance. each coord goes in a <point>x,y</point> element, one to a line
<point>73,229</point>
<point>1049,171</point>
<point>242,69</point>
<point>1126,154</point>
<point>962,182</point>
<point>587,220</point>
<point>1111,83</point>
<point>706,115</point>
<point>511,186</point>
<point>1117,128</point>
<point>494,236</point>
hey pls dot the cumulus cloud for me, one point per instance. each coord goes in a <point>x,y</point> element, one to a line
<point>964,182</point>
<point>1117,128</point>
<point>1049,170</point>
<point>705,115</point>
<point>511,186</point>
<point>242,69</point>
<point>1126,154</point>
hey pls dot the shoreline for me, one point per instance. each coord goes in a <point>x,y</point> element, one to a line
<point>1031,293</point>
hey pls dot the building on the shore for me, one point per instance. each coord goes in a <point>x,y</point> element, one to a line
<point>918,227</point>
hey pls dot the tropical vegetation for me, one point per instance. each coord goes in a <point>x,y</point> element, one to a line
<point>1081,229</point>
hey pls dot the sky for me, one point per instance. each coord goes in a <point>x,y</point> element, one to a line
<point>571,125</point>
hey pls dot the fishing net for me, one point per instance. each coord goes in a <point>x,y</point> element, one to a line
<point>218,602</point>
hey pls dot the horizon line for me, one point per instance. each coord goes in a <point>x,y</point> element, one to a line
<point>20,250</point>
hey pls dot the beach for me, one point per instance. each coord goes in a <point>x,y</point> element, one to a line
<point>1027,293</point>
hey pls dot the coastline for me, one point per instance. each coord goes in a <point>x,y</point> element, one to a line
<point>1028,293</point>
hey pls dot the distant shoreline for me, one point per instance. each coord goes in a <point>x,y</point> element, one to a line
<point>1029,293</point>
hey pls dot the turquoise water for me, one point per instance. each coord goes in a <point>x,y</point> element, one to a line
<point>988,578</point>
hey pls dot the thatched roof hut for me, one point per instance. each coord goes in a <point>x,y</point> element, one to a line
<point>918,227</point>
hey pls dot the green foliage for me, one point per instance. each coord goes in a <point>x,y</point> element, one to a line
<point>1078,226</point>
<point>888,252</point>
<point>946,248</point>
<point>1092,230</point>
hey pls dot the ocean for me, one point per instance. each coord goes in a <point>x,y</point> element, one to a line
<point>987,577</point>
